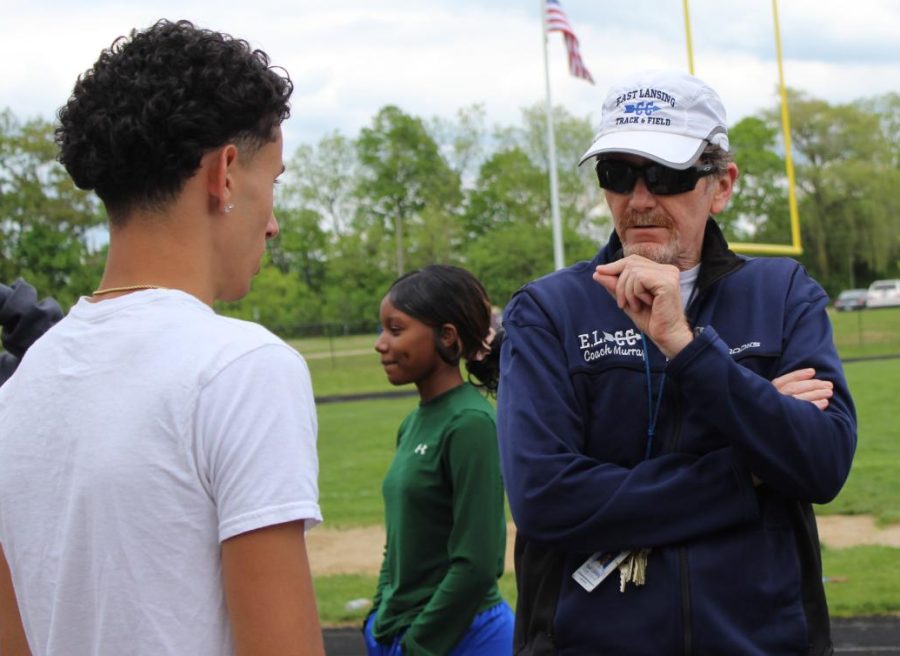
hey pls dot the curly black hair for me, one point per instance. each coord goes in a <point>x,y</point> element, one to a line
<point>140,120</point>
<point>439,294</point>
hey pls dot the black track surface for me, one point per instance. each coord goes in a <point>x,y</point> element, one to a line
<point>855,636</point>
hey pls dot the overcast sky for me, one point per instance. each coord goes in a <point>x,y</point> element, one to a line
<point>348,58</point>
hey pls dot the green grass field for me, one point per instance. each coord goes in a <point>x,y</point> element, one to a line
<point>349,365</point>
<point>874,483</point>
<point>343,365</point>
<point>862,580</point>
<point>322,345</point>
<point>858,581</point>
<point>867,333</point>
<point>356,443</point>
<point>351,487</point>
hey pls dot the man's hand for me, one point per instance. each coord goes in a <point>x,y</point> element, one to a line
<point>802,385</point>
<point>650,294</point>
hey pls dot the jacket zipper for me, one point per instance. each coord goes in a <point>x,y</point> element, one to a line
<point>686,602</point>
<point>682,551</point>
<point>688,637</point>
<point>676,411</point>
<point>692,313</point>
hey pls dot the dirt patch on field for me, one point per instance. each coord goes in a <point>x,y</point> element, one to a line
<point>359,550</point>
<point>347,551</point>
<point>842,531</point>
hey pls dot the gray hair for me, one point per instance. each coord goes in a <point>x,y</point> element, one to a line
<point>717,156</point>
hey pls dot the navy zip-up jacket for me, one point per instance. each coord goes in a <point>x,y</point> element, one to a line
<point>734,568</point>
<point>23,319</point>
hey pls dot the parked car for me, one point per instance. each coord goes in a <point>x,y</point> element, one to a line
<point>851,299</point>
<point>883,293</point>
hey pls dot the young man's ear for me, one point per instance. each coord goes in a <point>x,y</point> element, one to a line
<point>219,165</point>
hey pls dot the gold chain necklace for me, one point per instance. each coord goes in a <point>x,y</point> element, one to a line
<point>126,288</point>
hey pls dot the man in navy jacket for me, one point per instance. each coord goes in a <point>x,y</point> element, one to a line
<point>23,319</point>
<point>668,413</point>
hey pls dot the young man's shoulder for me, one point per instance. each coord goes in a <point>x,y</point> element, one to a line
<point>188,318</point>
<point>236,339</point>
<point>249,332</point>
<point>172,331</point>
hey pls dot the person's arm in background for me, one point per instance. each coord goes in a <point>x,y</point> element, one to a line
<point>12,634</point>
<point>269,592</point>
<point>23,319</point>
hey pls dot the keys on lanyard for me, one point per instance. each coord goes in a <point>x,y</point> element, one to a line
<point>633,569</point>
<point>632,564</point>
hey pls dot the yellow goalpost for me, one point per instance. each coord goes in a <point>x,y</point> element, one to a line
<point>794,248</point>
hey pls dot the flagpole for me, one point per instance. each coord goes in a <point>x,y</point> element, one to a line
<point>687,32</point>
<point>551,147</point>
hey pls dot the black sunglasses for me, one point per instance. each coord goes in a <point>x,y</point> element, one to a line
<point>620,177</point>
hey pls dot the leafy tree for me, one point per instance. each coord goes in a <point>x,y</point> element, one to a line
<point>355,283</point>
<point>46,223</point>
<point>847,180</point>
<point>403,172</point>
<point>758,210</point>
<point>461,141</point>
<point>508,257</point>
<point>278,300</point>
<point>887,108</point>
<point>507,212</point>
<point>514,254</point>
<point>322,178</point>
<point>301,247</point>
<point>509,189</point>
<point>578,190</point>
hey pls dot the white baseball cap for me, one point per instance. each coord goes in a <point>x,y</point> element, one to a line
<point>666,116</point>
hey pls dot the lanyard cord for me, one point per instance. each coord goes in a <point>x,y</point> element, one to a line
<point>653,411</point>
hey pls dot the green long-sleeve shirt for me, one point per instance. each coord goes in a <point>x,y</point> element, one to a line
<point>446,531</point>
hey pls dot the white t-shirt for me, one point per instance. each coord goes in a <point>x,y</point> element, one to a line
<point>138,434</point>
<point>688,280</point>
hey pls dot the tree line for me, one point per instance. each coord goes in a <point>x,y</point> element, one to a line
<point>356,211</point>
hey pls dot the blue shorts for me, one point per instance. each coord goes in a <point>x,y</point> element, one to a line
<point>490,634</point>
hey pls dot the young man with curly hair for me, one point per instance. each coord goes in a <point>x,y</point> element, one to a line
<point>158,462</point>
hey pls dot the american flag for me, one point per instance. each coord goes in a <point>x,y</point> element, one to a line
<point>558,22</point>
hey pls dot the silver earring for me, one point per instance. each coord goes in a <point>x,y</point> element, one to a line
<point>229,207</point>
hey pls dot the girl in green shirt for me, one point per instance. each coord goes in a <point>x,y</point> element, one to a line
<point>443,494</point>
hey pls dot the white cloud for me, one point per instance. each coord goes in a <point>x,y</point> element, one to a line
<point>348,58</point>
